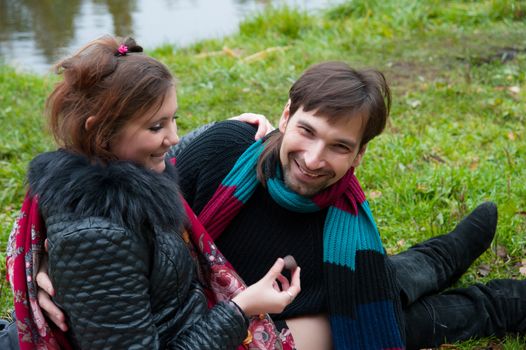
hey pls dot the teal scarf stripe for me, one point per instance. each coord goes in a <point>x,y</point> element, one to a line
<point>345,234</point>
<point>241,176</point>
<point>367,210</point>
<point>289,199</point>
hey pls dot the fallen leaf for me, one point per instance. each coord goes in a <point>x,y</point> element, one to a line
<point>483,270</point>
<point>437,158</point>
<point>401,243</point>
<point>264,53</point>
<point>421,187</point>
<point>229,52</point>
<point>511,135</point>
<point>392,250</point>
<point>375,194</point>
<point>502,252</point>
<point>414,103</point>
<point>522,270</point>
<point>514,89</point>
<point>474,164</point>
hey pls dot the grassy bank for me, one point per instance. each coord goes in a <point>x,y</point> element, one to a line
<point>456,136</point>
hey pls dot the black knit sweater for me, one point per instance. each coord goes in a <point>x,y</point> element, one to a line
<point>263,230</point>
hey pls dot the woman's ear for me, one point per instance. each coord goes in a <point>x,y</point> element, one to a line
<point>90,122</point>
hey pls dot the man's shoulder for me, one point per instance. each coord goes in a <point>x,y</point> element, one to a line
<point>223,139</point>
<point>209,157</point>
<point>230,131</point>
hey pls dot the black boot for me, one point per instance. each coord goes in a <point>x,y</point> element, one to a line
<point>433,265</point>
<point>494,309</point>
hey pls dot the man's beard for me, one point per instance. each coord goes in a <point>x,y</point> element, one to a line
<point>303,189</point>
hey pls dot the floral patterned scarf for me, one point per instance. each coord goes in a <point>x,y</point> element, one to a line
<point>24,250</point>
<point>26,247</point>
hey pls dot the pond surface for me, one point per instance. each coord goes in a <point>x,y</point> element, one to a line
<point>35,33</point>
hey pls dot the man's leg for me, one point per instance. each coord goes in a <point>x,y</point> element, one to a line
<point>433,265</point>
<point>478,311</point>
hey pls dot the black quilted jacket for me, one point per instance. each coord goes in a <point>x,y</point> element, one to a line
<point>122,272</point>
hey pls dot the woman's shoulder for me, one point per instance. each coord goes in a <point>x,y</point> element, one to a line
<point>71,230</point>
<point>126,194</point>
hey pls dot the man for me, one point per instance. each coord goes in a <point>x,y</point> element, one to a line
<point>306,202</point>
<point>332,114</point>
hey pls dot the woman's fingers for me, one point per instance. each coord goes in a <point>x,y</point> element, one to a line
<point>42,277</point>
<point>51,310</point>
<point>284,282</point>
<point>264,125</point>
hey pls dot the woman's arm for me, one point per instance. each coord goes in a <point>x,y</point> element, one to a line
<point>100,274</point>
<point>263,127</point>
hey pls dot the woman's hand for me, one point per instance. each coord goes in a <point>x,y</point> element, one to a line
<point>265,296</point>
<point>264,125</point>
<point>44,294</point>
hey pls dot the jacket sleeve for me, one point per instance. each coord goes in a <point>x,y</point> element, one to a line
<point>224,327</point>
<point>100,274</point>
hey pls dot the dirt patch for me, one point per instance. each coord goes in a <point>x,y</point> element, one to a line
<point>499,54</point>
<point>405,75</point>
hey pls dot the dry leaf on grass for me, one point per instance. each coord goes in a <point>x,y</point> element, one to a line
<point>375,194</point>
<point>502,252</point>
<point>483,270</point>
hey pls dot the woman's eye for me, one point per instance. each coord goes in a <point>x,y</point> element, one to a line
<point>155,127</point>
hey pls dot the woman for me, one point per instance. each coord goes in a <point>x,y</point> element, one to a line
<point>119,234</point>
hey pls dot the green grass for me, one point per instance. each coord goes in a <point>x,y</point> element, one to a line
<point>456,136</point>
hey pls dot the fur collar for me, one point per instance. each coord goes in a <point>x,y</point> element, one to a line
<point>128,194</point>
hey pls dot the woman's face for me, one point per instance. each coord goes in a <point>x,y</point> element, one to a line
<point>146,140</point>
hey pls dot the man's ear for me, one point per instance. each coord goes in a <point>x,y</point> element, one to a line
<point>356,162</point>
<point>284,117</point>
<point>90,122</point>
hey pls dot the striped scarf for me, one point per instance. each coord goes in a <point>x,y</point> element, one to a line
<point>362,304</point>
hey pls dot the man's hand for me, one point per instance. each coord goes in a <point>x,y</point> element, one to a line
<point>264,125</point>
<point>44,294</point>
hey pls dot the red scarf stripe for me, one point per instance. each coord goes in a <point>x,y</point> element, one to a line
<point>218,214</point>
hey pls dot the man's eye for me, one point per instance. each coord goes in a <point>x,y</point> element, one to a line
<point>305,131</point>
<point>342,148</point>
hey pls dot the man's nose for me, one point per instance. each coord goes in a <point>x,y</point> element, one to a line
<point>315,156</point>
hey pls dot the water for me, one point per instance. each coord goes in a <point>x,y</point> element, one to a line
<point>35,33</point>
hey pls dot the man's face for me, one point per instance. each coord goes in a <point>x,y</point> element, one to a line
<point>315,154</point>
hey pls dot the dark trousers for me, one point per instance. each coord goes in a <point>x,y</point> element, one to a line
<point>433,317</point>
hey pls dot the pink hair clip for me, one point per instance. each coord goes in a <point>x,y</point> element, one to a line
<point>122,50</point>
